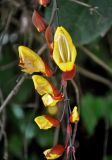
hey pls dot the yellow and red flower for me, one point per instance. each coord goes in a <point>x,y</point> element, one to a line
<point>46,89</point>
<point>55,152</point>
<point>64,52</point>
<point>46,122</point>
<point>74,116</point>
<point>38,21</point>
<point>31,62</point>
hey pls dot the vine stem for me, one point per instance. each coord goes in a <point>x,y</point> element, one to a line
<point>76,124</point>
<point>106,139</point>
<point>2,126</point>
<point>96,59</point>
<point>68,111</point>
<point>90,7</point>
<point>94,76</point>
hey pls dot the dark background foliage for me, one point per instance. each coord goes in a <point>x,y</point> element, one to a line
<point>91,31</point>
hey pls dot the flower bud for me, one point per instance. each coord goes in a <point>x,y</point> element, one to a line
<point>38,21</point>
<point>43,2</point>
<point>74,116</point>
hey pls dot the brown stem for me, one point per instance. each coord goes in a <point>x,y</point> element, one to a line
<point>5,30</point>
<point>13,92</point>
<point>2,131</point>
<point>90,7</point>
<point>94,76</point>
<point>76,90</point>
<point>106,139</point>
<point>96,59</point>
<point>54,12</point>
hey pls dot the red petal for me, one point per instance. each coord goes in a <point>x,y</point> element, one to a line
<point>49,38</point>
<point>71,118</point>
<point>58,97</point>
<point>57,94</point>
<point>48,70</point>
<point>69,74</point>
<point>55,122</point>
<point>38,21</point>
<point>58,149</point>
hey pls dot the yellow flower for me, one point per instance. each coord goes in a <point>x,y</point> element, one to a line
<point>31,62</point>
<point>74,117</point>
<point>46,122</point>
<point>55,152</point>
<point>50,94</point>
<point>64,53</point>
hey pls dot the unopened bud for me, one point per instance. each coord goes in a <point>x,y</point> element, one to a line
<point>43,2</point>
<point>38,21</point>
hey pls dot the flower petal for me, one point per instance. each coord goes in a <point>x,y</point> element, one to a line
<point>68,75</point>
<point>74,117</point>
<point>30,62</point>
<point>54,122</point>
<point>55,152</point>
<point>64,53</point>
<point>42,85</point>
<point>46,122</point>
<point>49,101</point>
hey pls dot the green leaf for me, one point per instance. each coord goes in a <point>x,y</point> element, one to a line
<point>93,108</point>
<point>108,158</point>
<point>45,138</point>
<point>87,114</point>
<point>15,146</point>
<point>83,26</point>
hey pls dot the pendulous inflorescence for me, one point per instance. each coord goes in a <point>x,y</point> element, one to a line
<point>63,54</point>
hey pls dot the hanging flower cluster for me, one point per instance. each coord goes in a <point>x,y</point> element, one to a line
<point>63,53</point>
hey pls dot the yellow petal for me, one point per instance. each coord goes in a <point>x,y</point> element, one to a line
<point>74,117</point>
<point>30,62</point>
<point>42,85</point>
<point>50,156</point>
<point>64,50</point>
<point>48,100</point>
<point>43,123</point>
<point>68,66</point>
